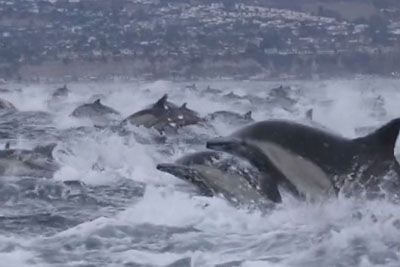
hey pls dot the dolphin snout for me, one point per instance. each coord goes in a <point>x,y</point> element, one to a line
<point>174,169</point>
<point>166,167</point>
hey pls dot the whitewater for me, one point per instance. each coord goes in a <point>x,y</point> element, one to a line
<point>123,212</point>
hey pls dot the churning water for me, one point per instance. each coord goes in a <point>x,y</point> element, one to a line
<point>121,211</point>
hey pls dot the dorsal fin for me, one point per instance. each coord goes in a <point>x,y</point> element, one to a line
<point>247,115</point>
<point>383,139</point>
<point>310,114</point>
<point>46,150</point>
<point>184,106</point>
<point>7,146</point>
<point>162,101</point>
<point>97,102</point>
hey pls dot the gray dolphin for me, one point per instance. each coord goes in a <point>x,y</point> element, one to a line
<point>315,162</point>
<point>232,117</point>
<point>61,92</point>
<point>96,111</point>
<point>151,115</point>
<point>38,162</point>
<point>210,91</point>
<point>216,173</point>
<point>6,105</point>
<point>164,116</point>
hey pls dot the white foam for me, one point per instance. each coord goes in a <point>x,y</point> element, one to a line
<point>293,234</point>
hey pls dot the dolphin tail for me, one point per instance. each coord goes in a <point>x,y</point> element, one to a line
<point>46,150</point>
<point>383,140</point>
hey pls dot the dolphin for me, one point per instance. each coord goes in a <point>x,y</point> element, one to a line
<point>282,96</point>
<point>182,116</point>
<point>164,116</point>
<point>6,105</point>
<point>38,162</point>
<point>149,116</point>
<point>210,91</point>
<point>96,111</point>
<point>231,117</point>
<point>61,92</point>
<point>93,109</point>
<point>57,98</point>
<point>313,162</point>
<point>219,174</point>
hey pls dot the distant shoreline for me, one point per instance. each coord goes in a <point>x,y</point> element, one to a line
<point>303,67</point>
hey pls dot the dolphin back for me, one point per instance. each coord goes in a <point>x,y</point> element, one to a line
<point>46,150</point>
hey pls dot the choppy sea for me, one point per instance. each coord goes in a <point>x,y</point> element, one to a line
<point>123,212</point>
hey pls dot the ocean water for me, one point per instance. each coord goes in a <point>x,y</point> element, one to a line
<point>123,212</point>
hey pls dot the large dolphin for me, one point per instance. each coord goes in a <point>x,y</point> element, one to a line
<point>215,173</point>
<point>164,116</point>
<point>38,162</point>
<point>315,161</point>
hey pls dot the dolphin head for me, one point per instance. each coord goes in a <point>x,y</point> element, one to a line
<point>188,174</point>
<point>249,151</point>
<point>239,147</point>
<point>178,170</point>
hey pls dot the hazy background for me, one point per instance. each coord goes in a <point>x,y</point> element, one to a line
<point>189,39</point>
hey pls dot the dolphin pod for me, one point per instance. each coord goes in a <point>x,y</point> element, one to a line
<point>164,116</point>
<point>254,164</point>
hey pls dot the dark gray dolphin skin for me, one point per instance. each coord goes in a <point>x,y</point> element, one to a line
<point>215,173</point>
<point>315,162</point>
<point>149,116</point>
<point>164,116</point>
<point>38,162</point>
<point>96,111</point>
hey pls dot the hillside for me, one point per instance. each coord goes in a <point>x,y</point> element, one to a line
<point>188,39</point>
